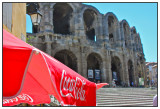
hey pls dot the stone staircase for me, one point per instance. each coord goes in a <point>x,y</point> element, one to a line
<point>127,97</point>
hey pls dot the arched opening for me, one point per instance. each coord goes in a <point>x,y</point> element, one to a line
<point>134,31</point>
<point>126,34</point>
<point>67,58</point>
<point>89,17</point>
<point>94,67</point>
<point>111,28</point>
<point>111,37</point>
<point>130,71</point>
<point>61,18</point>
<point>136,42</point>
<point>116,70</point>
<point>133,37</point>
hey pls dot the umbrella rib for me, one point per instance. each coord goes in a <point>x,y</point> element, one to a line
<point>50,75</point>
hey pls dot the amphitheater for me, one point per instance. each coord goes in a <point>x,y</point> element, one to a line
<point>98,46</point>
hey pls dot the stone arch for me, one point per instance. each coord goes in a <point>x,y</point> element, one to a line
<point>133,30</point>
<point>68,58</point>
<point>94,62</point>
<point>116,69</point>
<point>62,14</point>
<point>130,72</point>
<point>112,26</point>
<point>126,32</point>
<point>133,37</point>
<point>91,22</point>
<point>90,19</point>
<point>138,43</point>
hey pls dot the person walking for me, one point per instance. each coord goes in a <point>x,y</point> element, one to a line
<point>113,83</point>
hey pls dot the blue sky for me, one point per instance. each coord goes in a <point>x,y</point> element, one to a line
<point>141,15</point>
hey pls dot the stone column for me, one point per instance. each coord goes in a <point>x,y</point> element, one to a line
<point>126,72</point>
<point>125,67</point>
<point>42,19</point>
<point>103,71</point>
<point>46,18</point>
<point>79,68</point>
<point>105,32</point>
<point>84,65</point>
<point>122,36</point>
<point>80,29</point>
<point>119,36</point>
<point>51,17</point>
<point>134,73</point>
<point>100,27</point>
<point>72,23</point>
<point>48,44</point>
<point>108,70</point>
<point>144,71</point>
<point>122,72</point>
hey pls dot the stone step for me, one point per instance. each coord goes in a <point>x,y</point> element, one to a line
<point>125,102</point>
<point>122,99</point>
<point>107,93</point>
<point>119,105</point>
<point>124,95</point>
<point>127,89</point>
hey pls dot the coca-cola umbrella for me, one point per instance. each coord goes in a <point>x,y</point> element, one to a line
<point>31,76</point>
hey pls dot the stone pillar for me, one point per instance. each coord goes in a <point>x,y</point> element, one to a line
<point>51,17</point>
<point>79,68</point>
<point>48,44</point>
<point>119,37</point>
<point>103,71</point>
<point>122,73</point>
<point>134,69</point>
<point>46,14</point>
<point>108,70</point>
<point>72,23</point>
<point>80,25</point>
<point>84,65</point>
<point>125,67</point>
<point>99,27</point>
<point>122,36</point>
<point>105,32</point>
<point>42,19</point>
<point>46,18</point>
<point>144,71</point>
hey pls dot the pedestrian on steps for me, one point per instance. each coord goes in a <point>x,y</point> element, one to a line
<point>155,100</point>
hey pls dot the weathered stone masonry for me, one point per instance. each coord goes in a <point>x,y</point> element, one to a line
<point>82,38</point>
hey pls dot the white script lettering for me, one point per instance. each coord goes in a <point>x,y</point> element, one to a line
<point>71,87</point>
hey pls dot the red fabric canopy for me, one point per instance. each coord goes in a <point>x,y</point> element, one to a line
<point>16,54</point>
<point>31,76</point>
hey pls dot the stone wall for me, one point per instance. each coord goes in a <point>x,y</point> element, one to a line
<point>90,40</point>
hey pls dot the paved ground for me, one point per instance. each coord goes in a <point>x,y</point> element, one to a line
<point>125,97</point>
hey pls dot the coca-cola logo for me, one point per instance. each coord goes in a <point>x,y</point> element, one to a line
<point>23,97</point>
<point>72,87</point>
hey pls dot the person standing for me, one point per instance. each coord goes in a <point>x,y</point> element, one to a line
<point>155,100</point>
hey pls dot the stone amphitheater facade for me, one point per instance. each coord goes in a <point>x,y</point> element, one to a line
<point>82,38</point>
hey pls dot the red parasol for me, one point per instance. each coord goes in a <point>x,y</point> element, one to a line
<point>31,76</point>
